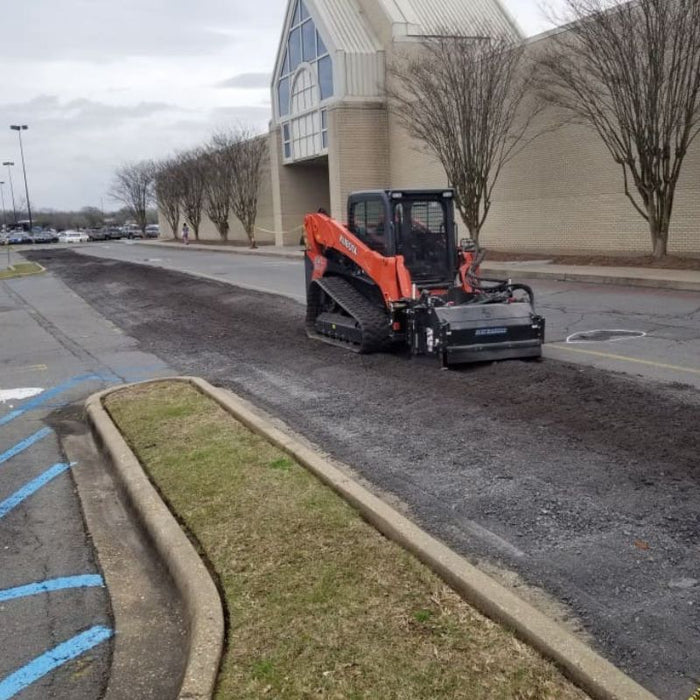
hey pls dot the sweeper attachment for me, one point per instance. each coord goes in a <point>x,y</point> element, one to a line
<point>395,275</point>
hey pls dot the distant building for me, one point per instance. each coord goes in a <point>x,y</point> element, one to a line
<point>331,133</point>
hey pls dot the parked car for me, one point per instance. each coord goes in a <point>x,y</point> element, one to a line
<point>73,237</point>
<point>19,238</point>
<point>114,233</point>
<point>96,234</point>
<point>133,232</point>
<point>152,231</point>
<point>45,237</point>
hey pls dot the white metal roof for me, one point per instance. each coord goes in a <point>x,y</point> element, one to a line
<point>357,53</point>
<point>431,17</point>
<point>346,23</point>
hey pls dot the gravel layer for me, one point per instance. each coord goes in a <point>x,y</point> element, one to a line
<point>585,484</point>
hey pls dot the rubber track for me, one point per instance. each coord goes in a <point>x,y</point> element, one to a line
<point>374,323</point>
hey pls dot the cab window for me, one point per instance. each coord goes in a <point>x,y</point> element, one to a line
<point>367,223</point>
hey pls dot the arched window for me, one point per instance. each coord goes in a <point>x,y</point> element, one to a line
<point>304,92</point>
<point>305,81</point>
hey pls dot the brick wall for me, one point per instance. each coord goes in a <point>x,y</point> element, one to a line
<point>358,157</point>
<point>561,193</point>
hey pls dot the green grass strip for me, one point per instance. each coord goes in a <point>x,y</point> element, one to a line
<point>319,603</point>
<point>20,270</point>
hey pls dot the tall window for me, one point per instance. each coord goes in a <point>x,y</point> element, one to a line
<point>305,80</point>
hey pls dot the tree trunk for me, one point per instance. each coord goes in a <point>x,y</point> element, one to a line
<point>251,238</point>
<point>223,230</point>
<point>195,229</point>
<point>660,246</point>
<point>659,233</point>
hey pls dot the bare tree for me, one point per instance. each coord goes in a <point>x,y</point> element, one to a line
<point>234,161</point>
<point>133,186</point>
<point>93,216</point>
<point>219,181</point>
<point>464,97</point>
<point>248,154</point>
<point>169,187</point>
<point>631,71</point>
<point>193,168</point>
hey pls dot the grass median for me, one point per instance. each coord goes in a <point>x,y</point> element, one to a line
<point>319,604</point>
<point>20,270</point>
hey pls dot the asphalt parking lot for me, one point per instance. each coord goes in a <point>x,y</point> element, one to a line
<point>578,487</point>
<point>57,630</point>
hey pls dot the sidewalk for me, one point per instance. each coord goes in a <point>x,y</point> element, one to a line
<point>683,280</point>
<point>292,251</point>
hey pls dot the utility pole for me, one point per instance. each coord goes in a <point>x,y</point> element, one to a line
<point>9,163</point>
<point>19,128</point>
<point>2,197</point>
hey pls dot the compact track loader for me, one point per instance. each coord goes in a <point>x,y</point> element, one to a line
<point>395,275</point>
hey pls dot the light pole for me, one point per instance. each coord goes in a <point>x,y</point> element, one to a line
<point>2,197</point>
<point>8,163</point>
<point>19,128</point>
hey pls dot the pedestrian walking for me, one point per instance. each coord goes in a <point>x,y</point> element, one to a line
<point>185,234</point>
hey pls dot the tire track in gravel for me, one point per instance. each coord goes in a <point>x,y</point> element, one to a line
<point>585,483</point>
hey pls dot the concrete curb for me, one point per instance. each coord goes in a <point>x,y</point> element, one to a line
<point>580,663</point>
<point>596,676</point>
<point>581,275</point>
<point>203,608</point>
<point>263,251</point>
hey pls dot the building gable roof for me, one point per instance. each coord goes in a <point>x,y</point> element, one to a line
<point>423,18</point>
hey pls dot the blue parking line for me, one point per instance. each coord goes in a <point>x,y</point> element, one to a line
<point>47,395</point>
<point>52,584</point>
<point>32,487</point>
<point>52,659</point>
<point>24,444</point>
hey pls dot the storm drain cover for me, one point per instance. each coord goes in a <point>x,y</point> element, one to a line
<point>603,335</point>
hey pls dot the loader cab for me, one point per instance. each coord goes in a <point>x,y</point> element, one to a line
<point>418,224</point>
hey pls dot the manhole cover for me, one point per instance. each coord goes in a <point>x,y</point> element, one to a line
<point>603,335</point>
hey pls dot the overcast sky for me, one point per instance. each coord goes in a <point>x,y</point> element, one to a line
<point>101,82</point>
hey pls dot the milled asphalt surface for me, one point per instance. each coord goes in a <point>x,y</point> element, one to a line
<point>583,483</point>
<point>670,351</point>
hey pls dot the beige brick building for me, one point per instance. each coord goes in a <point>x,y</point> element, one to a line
<point>331,133</point>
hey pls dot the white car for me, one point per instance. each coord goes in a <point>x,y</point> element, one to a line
<point>73,237</point>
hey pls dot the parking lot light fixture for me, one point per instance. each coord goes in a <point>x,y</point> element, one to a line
<point>19,128</point>
<point>10,163</point>
<point>2,198</point>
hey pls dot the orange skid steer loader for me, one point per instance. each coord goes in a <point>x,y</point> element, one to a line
<point>395,275</point>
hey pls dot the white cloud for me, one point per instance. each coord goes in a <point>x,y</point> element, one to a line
<point>246,80</point>
<point>102,82</point>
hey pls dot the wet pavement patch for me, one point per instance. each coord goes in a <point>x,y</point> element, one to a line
<point>603,335</point>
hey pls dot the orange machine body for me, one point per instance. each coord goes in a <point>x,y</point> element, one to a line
<point>389,273</point>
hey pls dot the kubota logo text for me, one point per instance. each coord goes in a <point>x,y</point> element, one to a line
<point>349,245</point>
